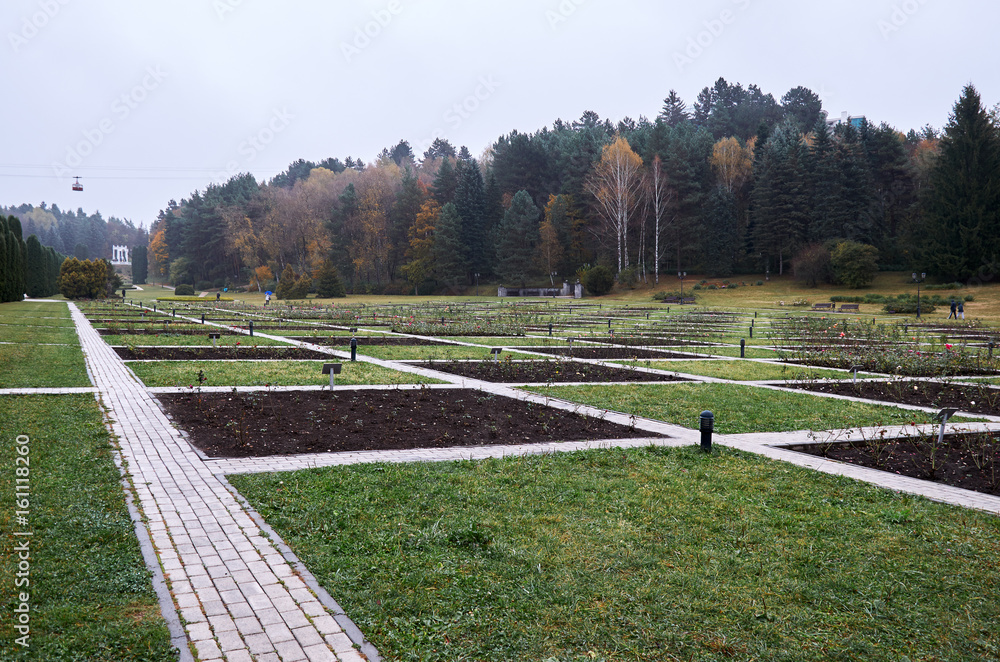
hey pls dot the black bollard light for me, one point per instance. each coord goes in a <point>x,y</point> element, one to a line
<point>706,427</point>
<point>991,346</point>
<point>743,348</point>
<point>550,329</point>
<point>173,313</point>
<point>354,349</point>
<point>251,328</point>
<point>203,318</point>
<point>751,330</point>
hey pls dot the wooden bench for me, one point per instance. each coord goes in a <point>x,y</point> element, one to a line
<point>849,306</point>
<point>822,306</point>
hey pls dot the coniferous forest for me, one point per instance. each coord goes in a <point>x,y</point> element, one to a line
<point>736,183</point>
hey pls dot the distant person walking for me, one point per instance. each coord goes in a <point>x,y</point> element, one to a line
<point>267,298</point>
<point>954,310</point>
<point>961,309</point>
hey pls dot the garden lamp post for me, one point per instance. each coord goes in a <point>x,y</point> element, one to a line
<point>477,284</point>
<point>918,281</point>
<point>682,275</point>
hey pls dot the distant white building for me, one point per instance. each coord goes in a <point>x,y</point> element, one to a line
<point>845,118</point>
<point>119,255</point>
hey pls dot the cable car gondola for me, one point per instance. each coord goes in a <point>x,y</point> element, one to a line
<point>77,186</point>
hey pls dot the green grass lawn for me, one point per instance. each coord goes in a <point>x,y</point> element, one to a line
<point>39,366</point>
<point>640,555</point>
<point>750,352</point>
<point>738,409</point>
<point>25,364</point>
<point>37,323</point>
<point>743,370</point>
<point>260,373</point>
<point>91,596</point>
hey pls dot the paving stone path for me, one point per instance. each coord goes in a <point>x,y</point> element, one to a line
<point>239,597</point>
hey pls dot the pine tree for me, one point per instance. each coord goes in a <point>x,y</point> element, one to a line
<point>962,210</point>
<point>517,241</point>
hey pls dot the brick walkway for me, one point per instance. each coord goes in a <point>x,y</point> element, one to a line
<point>238,596</point>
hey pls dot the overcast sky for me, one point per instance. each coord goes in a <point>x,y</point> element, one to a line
<point>148,101</point>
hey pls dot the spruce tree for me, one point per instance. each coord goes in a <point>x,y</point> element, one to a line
<point>517,240</point>
<point>825,184</point>
<point>674,110</point>
<point>328,283</point>
<point>780,199</point>
<point>470,201</point>
<point>721,222</point>
<point>445,183</point>
<point>449,253</point>
<point>961,233</point>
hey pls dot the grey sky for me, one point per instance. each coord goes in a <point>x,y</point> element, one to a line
<point>148,101</point>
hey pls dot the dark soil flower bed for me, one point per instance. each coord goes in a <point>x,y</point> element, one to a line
<point>873,364</point>
<point>545,371</point>
<point>218,353</point>
<point>610,353</point>
<point>287,423</point>
<point>970,461</point>
<point>381,341</point>
<point>981,399</point>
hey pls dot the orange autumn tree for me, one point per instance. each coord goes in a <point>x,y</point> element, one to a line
<point>159,252</point>
<point>616,184</point>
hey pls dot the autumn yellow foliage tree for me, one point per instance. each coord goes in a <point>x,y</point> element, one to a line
<point>420,254</point>
<point>550,245</point>
<point>616,183</point>
<point>732,163</point>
